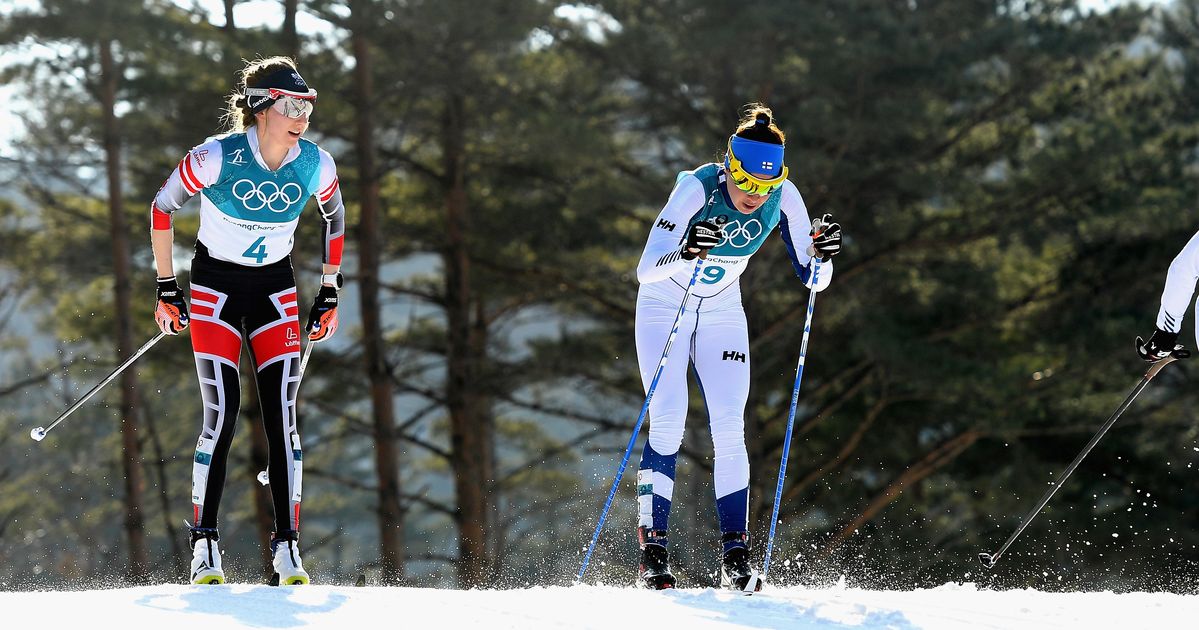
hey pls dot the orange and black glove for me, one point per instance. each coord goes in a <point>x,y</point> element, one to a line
<point>171,311</point>
<point>322,318</point>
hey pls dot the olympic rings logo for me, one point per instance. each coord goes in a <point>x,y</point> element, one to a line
<point>740,234</point>
<point>266,195</point>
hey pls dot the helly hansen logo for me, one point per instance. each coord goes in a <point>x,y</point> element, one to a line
<point>667,225</point>
<point>732,355</point>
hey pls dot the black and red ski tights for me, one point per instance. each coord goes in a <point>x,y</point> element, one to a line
<point>230,304</point>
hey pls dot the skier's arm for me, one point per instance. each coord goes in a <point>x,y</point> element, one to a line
<point>663,256</point>
<point>333,211</point>
<point>198,169</point>
<point>1180,287</point>
<point>795,227</point>
<point>322,317</point>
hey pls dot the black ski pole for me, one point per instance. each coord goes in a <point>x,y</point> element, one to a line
<point>989,559</point>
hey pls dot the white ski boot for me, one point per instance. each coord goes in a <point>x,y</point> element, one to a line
<point>289,569</point>
<point>206,558</point>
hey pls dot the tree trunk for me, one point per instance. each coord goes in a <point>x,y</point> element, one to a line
<point>471,430</point>
<point>391,514</point>
<point>291,39</point>
<point>264,507</point>
<point>163,480</point>
<point>943,454</point>
<point>229,25</point>
<point>132,462</point>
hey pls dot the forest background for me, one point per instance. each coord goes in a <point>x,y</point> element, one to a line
<point>1013,178</point>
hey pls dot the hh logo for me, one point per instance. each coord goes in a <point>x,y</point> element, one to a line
<point>666,225</point>
<point>237,158</point>
<point>732,355</point>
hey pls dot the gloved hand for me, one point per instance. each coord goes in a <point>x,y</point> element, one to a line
<point>322,318</point>
<point>826,237</point>
<point>700,238</point>
<point>1161,344</point>
<point>171,311</point>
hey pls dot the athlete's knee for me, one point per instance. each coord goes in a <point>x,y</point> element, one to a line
<point>665,440</point>
<point>728,441</point>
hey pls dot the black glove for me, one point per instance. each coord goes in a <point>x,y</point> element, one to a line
<point>322,318</point>
<point>826,237</point>
<point>171,311</point>
<point>701,237</point>
<point>1161,345</point>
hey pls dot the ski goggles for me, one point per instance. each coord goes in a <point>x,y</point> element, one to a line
<point>294,104</point>
<point>762,157</point>
<point>293,107</point>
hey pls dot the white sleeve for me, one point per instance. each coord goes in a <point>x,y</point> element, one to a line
<point>1180,287</point>
<point>795,227</point>
<point>662,257</point>
<point>200,168</point>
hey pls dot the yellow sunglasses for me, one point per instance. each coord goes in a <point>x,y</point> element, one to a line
<point>746,181</point>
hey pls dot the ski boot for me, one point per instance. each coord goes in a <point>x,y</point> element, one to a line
<point>206,557</point>
<point>285,554</point>
<point>735,572</point>
<point>655,570</point>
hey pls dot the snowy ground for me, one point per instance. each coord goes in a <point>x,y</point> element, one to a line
<point>250,606</point>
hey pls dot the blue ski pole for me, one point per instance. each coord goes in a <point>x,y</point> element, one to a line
<point>803,351</point>
<point>674,331</point>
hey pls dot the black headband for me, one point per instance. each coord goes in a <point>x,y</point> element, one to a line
<point>285,81</point>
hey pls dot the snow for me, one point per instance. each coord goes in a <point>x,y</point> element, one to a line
<point>953,606</point>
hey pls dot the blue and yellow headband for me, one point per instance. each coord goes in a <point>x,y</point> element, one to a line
<point>746,161</point>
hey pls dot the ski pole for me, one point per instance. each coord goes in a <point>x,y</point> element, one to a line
<point>39,433</point>
<point>304,361</point>
<point>803,352</point>
<point>989,559</point>
<point>674,331</point>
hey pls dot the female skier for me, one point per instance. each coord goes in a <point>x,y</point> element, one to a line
<point>723,213</point>
<point>254,182</point>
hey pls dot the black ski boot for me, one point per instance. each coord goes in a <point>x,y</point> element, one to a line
<point>655,570</point>
<point>735,572</point>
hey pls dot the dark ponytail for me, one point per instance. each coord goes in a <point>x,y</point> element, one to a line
<point>758,124</point>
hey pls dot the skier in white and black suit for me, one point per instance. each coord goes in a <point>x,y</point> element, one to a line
<point>254,184</point>
<point>1176,298</point>
<point>706,216</point>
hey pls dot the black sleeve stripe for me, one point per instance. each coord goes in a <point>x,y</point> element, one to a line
<point>669,258</point>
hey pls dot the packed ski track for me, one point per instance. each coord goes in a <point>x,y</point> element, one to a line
<point>952,606</point>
